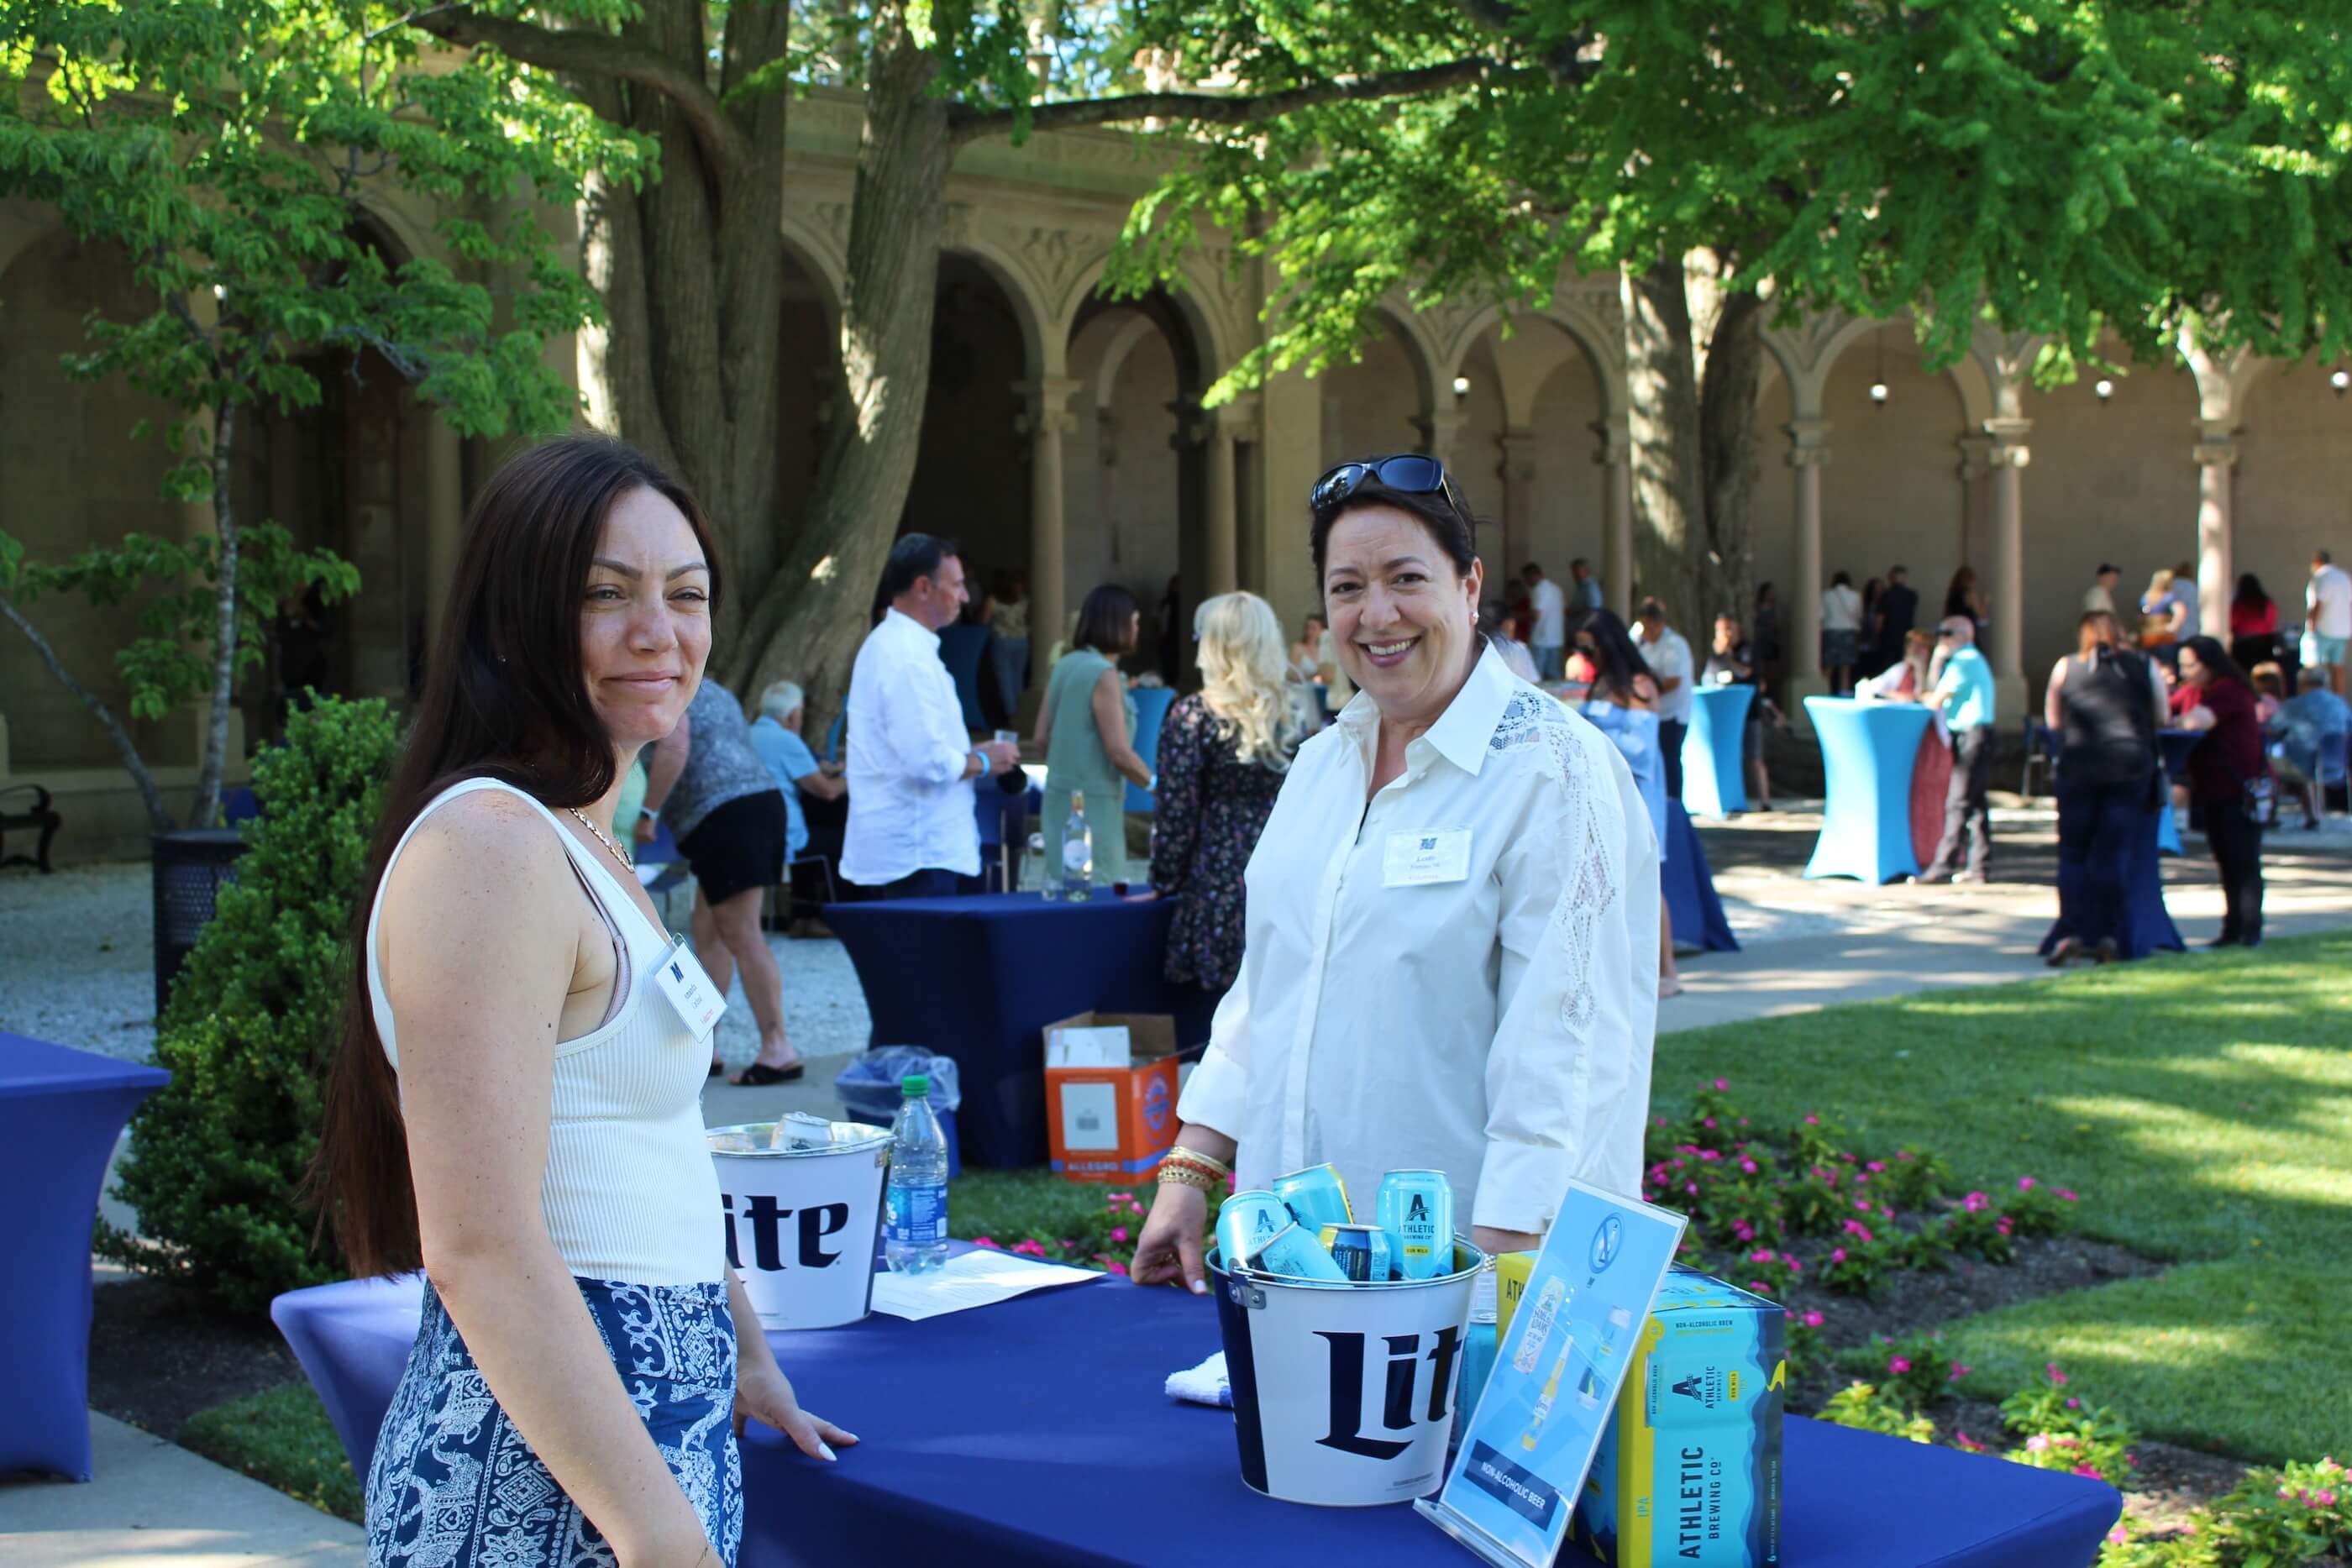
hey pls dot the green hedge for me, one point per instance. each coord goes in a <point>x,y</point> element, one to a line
<point>218,1155</point>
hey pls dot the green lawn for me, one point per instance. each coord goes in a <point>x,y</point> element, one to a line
<point>280,1437</point>
<point>2202,1106</point>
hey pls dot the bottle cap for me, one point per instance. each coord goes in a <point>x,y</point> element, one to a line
<point>916,1084</point>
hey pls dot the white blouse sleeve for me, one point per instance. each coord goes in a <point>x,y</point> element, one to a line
<point>1578,945</point>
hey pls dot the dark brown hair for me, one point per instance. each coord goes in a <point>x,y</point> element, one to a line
<point>1451,529</point>
<point>505,697</point>
<point>1106,621</point>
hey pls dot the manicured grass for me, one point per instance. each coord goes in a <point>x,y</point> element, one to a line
<point>280,1437</point>
<point>2203,1107</point>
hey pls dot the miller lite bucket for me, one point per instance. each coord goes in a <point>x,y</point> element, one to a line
<point>801,1203</point>
<point>1343,1394</point>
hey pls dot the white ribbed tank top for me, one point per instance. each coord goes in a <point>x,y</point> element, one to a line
<point>629,1193</point>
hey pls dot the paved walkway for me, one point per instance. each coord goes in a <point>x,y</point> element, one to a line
<point>1805,944</point>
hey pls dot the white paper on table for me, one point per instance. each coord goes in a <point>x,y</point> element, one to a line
<point>970,1279</point>
<point>1103,1045</point>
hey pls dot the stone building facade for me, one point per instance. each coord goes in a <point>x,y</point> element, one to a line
<point>1065,437</point>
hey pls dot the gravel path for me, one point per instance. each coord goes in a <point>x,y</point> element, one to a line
<point>77,967</point>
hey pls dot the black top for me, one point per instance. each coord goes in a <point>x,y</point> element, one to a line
<point>2108,719</point>
<point>1211,807</point>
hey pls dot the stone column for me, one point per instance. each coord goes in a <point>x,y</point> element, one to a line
<point>2217,461</point>
<point>1438,430</point>
<point>1616,454</point>
<point>445,518</point>
<point>1221,535</point>
<point>1514,531</point>
<point>2009,456</point>
<point>1045,418</point>
<point>1808,453</point>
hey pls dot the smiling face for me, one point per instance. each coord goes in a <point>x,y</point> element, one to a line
<point>1402,619</point>
<point>645,619</point>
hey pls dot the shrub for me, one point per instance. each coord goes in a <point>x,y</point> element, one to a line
<point>220,1152</point>
<point>2064,1432</point>
<point>1863,1407</point>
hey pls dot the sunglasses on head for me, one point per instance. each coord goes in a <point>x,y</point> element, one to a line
<point>1410,473</point>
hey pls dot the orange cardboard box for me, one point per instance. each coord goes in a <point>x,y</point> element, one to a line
<point>1110,1121</point>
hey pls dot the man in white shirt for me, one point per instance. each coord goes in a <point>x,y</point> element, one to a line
<point>2101,595</point>
<point>1669,658</point>
<point>913,828</point>
<point>1550,638</point>
<point>2327,617</point>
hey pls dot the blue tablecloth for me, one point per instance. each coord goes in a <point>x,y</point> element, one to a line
<point>2175,745</point>
<point>2147,924</point>
<point>1695,913</point>
<point>979,978</point>
<point>60,1114</point>
<point>1714,761</point>
<point>1027,1432</point>
<point>1867,750</point>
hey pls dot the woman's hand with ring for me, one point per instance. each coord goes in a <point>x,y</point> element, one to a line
<point>1168,1251</point>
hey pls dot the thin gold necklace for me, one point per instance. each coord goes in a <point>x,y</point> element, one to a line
<point>618,853</point>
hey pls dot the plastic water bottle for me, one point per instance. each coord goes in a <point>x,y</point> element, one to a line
<point>915,1216</point>
<point>1077,853</point>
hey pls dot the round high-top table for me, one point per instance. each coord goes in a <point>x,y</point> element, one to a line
<point>1714,775</point>
<point>1867,750</point>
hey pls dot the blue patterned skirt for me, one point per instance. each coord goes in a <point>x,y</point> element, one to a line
<point>455,1485</point>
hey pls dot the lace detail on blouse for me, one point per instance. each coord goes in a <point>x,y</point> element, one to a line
<point>1589,876</point>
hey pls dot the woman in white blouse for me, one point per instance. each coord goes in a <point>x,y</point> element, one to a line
<point>1452,958</point>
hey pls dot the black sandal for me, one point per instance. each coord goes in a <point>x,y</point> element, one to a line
<point>758,1075</point>
<point>717,1070</point>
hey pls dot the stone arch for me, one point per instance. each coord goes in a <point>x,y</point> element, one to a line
<point>1099,347</point>
<point>1190,298</point>
<point>809,247</point>
<point>1041,349</point>
<point>1583,335</point>
<point>1972,377</point>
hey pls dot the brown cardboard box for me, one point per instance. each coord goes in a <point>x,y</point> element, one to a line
<point>1111,1118</point>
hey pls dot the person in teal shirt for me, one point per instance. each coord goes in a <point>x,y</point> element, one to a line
<point>1964,695</point>
<point>1086,727</point>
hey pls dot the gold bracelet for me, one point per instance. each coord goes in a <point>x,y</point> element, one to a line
<point>1172,1174</point>
<point>1195,1156</point>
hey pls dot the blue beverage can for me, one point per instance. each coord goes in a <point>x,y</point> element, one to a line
<point>1361,1250</point>
<point>1416,1209</point>
<point>1247,1222</point>
<point>1316,1197</point>
<point>1294,1254</point>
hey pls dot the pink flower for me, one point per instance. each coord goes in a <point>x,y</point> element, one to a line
<point>1762,1254</point>
<point>1032,1248</point>
<point>1760,1286</point>
<point>985,1241</point>
<point>1748,1166</point>
<point>1837,1254</point>
<point>1874,1166</point>
<point>2116,1537</point>
<point>1709,1123</point>
<point>2090,1471</point>
<point>1795,1267</point>
<point>2025,1184</point>
<point>1707,1154</point>
<point>2038,1444</point>
<point>2004,1225</point>
<point>1855,1228</point>
<point>2073,1403</point>
<point>1812,1319</point>
<point>2324,1499</point>
<point>2066,1196</point>
<point>1691,1187</point>
<point>1115,1266</point>
<point>1958,1371</point>
<point>1119,1198</point>
<point>1899,1364</point>
<point>2055,1375</point>
<point>1742,1230</point>
<point>1862,1203</point>
<point>1137,1208</point>
<point>1862,1179</point>
<point>1722,1084</point>
<point>1976,1203</point>
<point>1119,1233</point>
<point>1965,1441</point>
<point>1905,1154</point>
<point>1812,1120</point>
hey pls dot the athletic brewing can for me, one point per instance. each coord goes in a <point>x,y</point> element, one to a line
<point>1416,1209</point>
<point>1247,1221</point>
<point>1361,1250</point>
<point>1295,1254</point>
<point>1316,1196</point>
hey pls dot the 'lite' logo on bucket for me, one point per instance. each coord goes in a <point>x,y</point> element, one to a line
<point>1398,1395</point>
<point>765,1217</point>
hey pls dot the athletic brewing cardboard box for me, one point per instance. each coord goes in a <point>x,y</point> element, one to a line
<point>1689,1471</point>
<point>1110,1095</point>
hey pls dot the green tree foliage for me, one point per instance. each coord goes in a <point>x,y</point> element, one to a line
<point>233,151</point>
<point>223,1149</point>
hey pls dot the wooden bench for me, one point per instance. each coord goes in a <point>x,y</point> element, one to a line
<point>15,814</point>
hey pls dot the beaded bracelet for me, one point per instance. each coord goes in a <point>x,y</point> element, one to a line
<point>1190,1168</point>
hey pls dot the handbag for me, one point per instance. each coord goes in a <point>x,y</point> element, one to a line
<point>2257,798</point>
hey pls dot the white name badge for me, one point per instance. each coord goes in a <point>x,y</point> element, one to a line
<point>688,986</point>
<point>1413,859</point>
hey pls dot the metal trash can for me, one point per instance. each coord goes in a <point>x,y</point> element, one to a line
<point>189,867</point>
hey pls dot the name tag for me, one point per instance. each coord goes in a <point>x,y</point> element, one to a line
<point>688,986</point>
<point>1413,859</point>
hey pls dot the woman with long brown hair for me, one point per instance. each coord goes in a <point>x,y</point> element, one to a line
<point>514,1108</point>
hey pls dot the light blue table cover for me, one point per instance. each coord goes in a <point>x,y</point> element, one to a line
<point>1866,755</point>
<point>1713,781</point>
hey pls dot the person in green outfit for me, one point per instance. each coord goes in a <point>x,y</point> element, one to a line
<point>1085,727</point>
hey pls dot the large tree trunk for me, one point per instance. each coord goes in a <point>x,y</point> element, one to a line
<point>1694,359</point>
<point>808,623</point>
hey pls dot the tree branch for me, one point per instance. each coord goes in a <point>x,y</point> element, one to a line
<point>1216,109</point>
<point>158,816</point>
<point>585,53</point>
<point>1562,59</point>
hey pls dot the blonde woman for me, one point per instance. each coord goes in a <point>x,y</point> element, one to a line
<point>1223,755</point>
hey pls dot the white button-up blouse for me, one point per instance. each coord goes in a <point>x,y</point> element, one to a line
<point>1407,1000</point>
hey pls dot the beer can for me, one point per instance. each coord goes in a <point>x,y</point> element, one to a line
<point>1245,1222</point>
<point>1416,1209</point>
<point>1316,1196</point>
<point>1361,1250</point>
<point>1295,1254</point>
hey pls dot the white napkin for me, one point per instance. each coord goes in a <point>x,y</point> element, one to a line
<point>1203,1385</point>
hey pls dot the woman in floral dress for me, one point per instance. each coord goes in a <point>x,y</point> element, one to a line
<point>1223,755</point>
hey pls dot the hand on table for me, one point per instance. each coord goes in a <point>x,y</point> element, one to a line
<point>1168,1252</point>
<point>765,1394</point>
